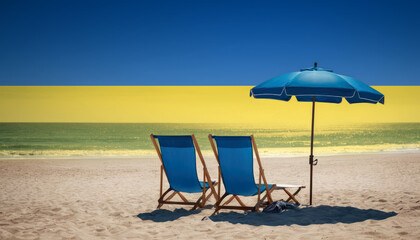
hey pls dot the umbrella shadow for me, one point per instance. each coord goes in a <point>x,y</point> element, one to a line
<point>163,215</point>
<point>305,216</point>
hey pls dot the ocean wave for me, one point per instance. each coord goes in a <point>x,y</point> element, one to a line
<point>264,152</point>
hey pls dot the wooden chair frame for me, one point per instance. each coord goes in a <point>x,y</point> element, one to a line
<point>260,201</point>
<point>206,178</point>
<point>292,196</point>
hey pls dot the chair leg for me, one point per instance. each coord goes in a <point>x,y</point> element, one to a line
<point>161,198</point>
<point>270,190</point>
<point>206,198</point>
<point>198,203</point>
<point>217,204</point>
<point>212,194</point>
<point>261,202</point>
<point>163,201</point>
<point>240,201</point>
<point>229,200</point>
<point>256,207</point>
<point>237,199</point>
<point>292,196</point>
<point>182,197</point>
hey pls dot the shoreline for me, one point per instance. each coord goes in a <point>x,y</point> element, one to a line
<point>264,152</point>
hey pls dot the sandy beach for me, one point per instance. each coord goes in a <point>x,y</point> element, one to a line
<point>369,196</point>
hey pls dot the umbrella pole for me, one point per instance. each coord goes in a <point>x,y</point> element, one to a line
<point>311,157</point>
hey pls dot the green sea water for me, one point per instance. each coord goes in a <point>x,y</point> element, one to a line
<point>33,139</point>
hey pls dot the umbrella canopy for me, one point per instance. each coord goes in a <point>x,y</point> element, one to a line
<point>325,85</point>
<point>316,85</point>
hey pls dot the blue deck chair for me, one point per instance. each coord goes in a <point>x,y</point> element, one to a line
<point>178,158</point>
<point>235,158</point>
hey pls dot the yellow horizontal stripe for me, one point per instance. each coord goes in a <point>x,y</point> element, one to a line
<point>195,104</point>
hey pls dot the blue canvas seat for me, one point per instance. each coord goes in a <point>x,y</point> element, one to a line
<point>178,157</point>
<point>235,157</point>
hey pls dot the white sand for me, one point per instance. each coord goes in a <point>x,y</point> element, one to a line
<point>356,197</point>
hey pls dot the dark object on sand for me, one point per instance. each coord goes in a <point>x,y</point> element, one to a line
<point>278,207</point>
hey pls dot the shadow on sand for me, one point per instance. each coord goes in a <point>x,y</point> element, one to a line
<point>163,215</point>
<point>304,216</point>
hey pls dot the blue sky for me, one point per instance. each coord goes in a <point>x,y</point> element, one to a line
<point>206,42</point>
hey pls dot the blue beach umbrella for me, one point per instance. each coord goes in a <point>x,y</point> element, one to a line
<point>316,85</point>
